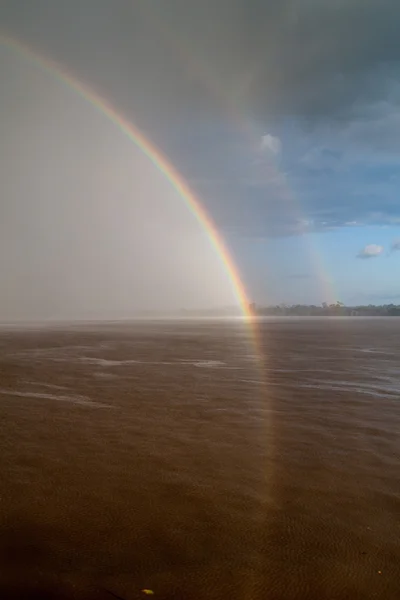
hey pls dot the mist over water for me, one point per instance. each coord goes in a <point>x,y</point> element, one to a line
<point>89,228</point>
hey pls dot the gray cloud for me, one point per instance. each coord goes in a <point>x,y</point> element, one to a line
<point>282,56</point>
<point>299,276</point>
<point>271,143</point>
<point>370,251</point>
<point>395,246</point>
<point>166,65</point>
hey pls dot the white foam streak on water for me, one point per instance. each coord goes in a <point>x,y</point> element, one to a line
<point>208,364</point>
<point>103,362</point>
<point>51,351</point>
<point>51,386</point>
<point>80,400</point>
<point>354,387</point>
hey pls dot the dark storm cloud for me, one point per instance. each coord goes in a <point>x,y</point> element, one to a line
<point>178,66</point>
<point>160,58</point>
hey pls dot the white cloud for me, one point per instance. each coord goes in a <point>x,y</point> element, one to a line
<point>370,251</point>
<point>270,143</point>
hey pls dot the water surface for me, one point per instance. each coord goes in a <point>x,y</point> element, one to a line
<point>153,456</point>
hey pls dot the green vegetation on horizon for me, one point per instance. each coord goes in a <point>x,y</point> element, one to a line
<point>338,310</point>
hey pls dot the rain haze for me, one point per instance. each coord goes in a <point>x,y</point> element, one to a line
<point>90,228</point>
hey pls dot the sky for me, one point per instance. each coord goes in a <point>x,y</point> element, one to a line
<point>282,116</point>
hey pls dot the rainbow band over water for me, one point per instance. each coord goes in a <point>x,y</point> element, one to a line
<point>148,148</point>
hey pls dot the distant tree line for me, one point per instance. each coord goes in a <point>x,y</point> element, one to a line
<point>326,310</point>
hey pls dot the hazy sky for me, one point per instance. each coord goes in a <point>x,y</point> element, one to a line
<point>89,227</point>
<point>283,116</point>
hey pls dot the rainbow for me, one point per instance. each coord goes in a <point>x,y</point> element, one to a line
<point>178,40</point>
<point>131,131</point>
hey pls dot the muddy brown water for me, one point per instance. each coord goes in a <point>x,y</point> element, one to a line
<point>163,456</point>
